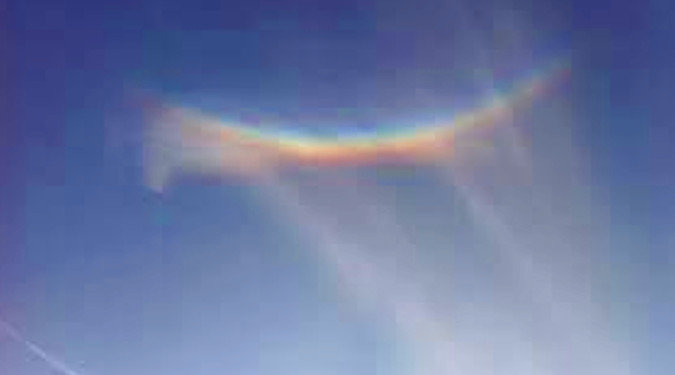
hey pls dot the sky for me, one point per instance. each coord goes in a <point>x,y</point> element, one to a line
<point>336,187</point>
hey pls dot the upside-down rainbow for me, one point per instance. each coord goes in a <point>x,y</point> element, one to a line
<point>186,139</point>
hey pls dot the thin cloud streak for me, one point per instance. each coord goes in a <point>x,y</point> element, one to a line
<point>53,362</point>
<point>575,320</point>
<point>368,284</point>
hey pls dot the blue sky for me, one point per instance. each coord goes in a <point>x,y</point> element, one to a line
<point>549,251</point>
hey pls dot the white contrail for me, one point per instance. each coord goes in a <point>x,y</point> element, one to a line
<point>52,361</point>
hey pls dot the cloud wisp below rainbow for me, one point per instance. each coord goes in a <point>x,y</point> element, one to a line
<point>188,141</point>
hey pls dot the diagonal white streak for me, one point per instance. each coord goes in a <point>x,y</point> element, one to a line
<point>369,283</point>
<point>48,358</point>
<point>582,340</point>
